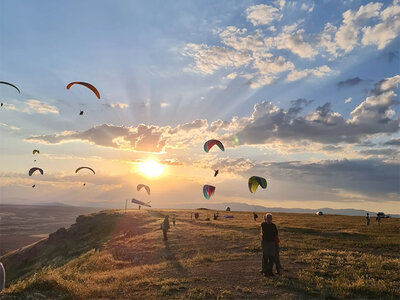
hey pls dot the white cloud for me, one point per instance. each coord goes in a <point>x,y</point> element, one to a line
<point>164,104</point>
<point>117,105</point>
<point>294,42</point>
<point>347,35</point>
<point>262,14</point>
<point>208,59</point>
<point>10,127</point>
<point>232,75</point>
<point>384,32</point>
<point>307,7</point>
<point>317,72</point>
<point>348,100</point>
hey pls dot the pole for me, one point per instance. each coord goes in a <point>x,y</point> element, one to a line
<point>126,204</point>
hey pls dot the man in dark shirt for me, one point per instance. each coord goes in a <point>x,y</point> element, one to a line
<point>269,232</point>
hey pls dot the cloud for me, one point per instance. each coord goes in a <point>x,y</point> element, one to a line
<point>10,127</point>
<point>348,100</point>
<point>309,7</point>
<point>353,175</point>
<point>350,82</point>
<point>393,142</point>
<point>374,115</point>
<point>33,106</point>
<point>164,104</point>
<point>210,58</point>
<point>231,75</point>
<point>317,72</point>
<point>347,35</point>
<point>116,105</point>
<point>384,32</point>
<point>262,14</point>
<point>380,152</point>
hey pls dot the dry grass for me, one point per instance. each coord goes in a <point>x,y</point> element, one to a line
<point>322,256</point>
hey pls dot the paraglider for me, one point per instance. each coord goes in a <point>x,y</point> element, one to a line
<point>208,191</point>
<point>80,168</point>
<point>256,181</point>
<point>147,188</point>
<point>33,170</point>
<point>135,201</point>
<point>81,113</point>
<point>216,173</point>
<point>10,84</point>
<point>209,144</point>
<point>33,185</point>
<point>35,152</point>
<point>2,103</point>
<point>88,85</point>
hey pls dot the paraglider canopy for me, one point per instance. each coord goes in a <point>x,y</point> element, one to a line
<point>256,181</point>
<point>147,188</point>
<point>135,201</point>
<point>10,84</point>
<point>88,85</point>
<point>80,168</point>
<point>33,170</point>
<point>208,191</point>
<point>209,144</point>
<point>35,152</point>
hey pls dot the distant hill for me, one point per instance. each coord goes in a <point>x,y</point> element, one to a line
<point>246,207</point>
<point>52,204</point>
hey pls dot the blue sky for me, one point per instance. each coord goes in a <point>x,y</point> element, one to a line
<point>308,88</point>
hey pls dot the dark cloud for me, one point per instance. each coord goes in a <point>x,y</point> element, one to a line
<point>369,177</point>
<point>350,82</point>
<point>296,106</point>
<point>374,115</point>
<point>384,152</point>
<point>392,142</point>
<point>141,138</point>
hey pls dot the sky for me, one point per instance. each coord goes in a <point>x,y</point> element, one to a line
<point>302,93</point>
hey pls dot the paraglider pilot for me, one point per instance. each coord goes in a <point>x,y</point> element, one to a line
<point>268,234</point>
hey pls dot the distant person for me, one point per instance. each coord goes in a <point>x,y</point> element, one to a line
<point>165,227</point>
<point>173,220</point>
<point>140,207</point>
<point>196,215</point>
<point>255,216</point>
<point>228,209</point>
<point>367,219</point>
<point>277,259</point>
<point>191,215</point>
<point>269,232</point>
<point>378,219</point>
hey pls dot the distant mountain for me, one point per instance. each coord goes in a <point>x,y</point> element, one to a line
<point>52,204</point>
<point>246,207</point>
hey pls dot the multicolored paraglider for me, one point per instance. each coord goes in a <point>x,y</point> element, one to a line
<point>208,191</point>
<point>256,181</point>
<point>135,201</point>
<point>147,188</point>
<point>88,85</point>
<point>10,84</point>
<point>80,168</point>
<point>33,170</point>
<point>209,144</point>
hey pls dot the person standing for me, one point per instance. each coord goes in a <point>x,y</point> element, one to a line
<point>367,219</point>
<point>255,216</point>
<point>378,219</point>
<point>165,227</point>
<point>173,220</point>
<point>268,234</point>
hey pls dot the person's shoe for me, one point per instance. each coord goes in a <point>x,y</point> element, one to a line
<point>278,272</point>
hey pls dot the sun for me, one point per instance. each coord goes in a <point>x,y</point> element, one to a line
<point>151,168</point>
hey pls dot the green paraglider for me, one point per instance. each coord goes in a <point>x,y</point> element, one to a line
<point>256,181</point>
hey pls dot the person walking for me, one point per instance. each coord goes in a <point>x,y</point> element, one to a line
<point>268,234</point>
<point>255,216</point>
<point>173,220</point>
<point>367,219</point>
<point>165,227</point>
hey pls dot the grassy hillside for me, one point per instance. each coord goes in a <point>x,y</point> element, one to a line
<point>122,256</point>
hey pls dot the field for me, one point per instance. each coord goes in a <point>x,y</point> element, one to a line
<point>122,256</point>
